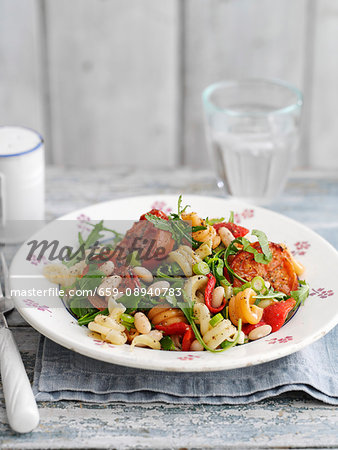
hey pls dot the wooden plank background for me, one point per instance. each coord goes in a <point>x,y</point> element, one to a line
<point>119,82</point>
<point>238,39</point>
<point>21,95</point>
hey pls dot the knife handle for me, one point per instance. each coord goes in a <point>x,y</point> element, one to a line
<point>22,411</point>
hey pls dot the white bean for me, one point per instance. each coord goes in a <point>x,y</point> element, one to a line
<point>158,288</point>
<point>226,236</point>
<point>217,297</point>
<point>156,334</point>
<point>142,323</point>
<point>259,332</point>
<point>78,268</point>
<point>107,267</point>
<point>196,346</point>
<point>108,284</point>
<point>143,273</point>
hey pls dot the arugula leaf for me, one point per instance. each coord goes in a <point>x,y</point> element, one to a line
<point>178,228</point>
<point>81,307</point>
<point>169,270</point>
<point>198,336</point>
<point>264,243</point>
<point>94,236</point>
<point>182,230</point>
<point>301,294</point>
<point>167,343</point>
<point>271,294</point>
<point>136,301</point>
<point>171,299</point>
<point>259,257</point>
<point>130,301</point>
<point>213,221</point>
<point>232,250</point>
<point>178,283</point>
<point>86,319</point>
<point>198,228</point>
<point>117,238</point>
<point>216,265</point>
<point>133,259</point>
<point>228,344</point>
<point>158,222</point>
<point>179,209</point>
<point>263,258</point>
<point>81,241</point>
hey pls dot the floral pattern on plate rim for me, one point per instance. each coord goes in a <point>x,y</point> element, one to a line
<point>35,261</point>
<point>245,214</point>
<point>32,304</point>
<point>103,343</point>
<point>321,292</point>
<point>283,340</point>
<point>161,206</point>
<point>82,225</point>
<point>188,357</point>
<point>301,248</point>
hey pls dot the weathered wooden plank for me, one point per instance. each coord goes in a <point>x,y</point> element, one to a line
<point>14,319</point>
<point>323,125</point>
<point>237,39</point>
<point>20,76</point>
<point>113,79</point>
<point>282,423</point>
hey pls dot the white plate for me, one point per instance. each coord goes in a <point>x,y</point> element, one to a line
<point>316,318</point>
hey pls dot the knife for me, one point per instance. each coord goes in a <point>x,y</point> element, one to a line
<point>22,411</point>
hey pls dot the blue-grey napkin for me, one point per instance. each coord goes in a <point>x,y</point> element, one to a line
<point>61,374</point>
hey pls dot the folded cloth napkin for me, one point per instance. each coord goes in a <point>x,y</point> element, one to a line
<point>61,374</point>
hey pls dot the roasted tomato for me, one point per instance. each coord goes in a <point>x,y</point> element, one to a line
<point>236,230</point>
<point>157,213</point>
<point>279,272</point>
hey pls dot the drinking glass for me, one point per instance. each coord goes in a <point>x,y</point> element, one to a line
<point>252,129</point>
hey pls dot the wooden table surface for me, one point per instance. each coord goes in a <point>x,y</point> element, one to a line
<point>288,421</point>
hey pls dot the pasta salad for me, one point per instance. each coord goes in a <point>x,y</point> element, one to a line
<point>180,282</point>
